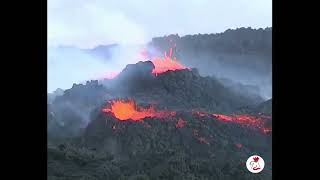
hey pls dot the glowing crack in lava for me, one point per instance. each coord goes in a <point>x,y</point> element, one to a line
<point>181,123</point>
<point>167,63</point>
<point>128,110</point>
<point>247,120</point>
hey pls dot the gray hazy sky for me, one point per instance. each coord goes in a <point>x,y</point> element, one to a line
<point>88,23</point>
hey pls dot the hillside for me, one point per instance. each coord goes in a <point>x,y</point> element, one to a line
<point>171,125</point>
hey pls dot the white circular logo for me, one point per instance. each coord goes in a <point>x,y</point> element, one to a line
<point>255,164</point>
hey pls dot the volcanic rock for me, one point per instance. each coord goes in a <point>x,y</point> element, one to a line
<point>184,89</point>
<point>89,94</point>
<point>265,107</point>
<point>134,77</point>
<point>53,95</point>
<point>157,147</point>
<point>64,121</point>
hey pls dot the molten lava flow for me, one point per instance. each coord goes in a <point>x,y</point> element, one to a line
<point>200,114</point>
<point>247,120</point>
<point>181,123</point>
<point>223,117</point>
<point>127,110</point>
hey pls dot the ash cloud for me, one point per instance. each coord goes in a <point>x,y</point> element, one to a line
<point>68,65</point>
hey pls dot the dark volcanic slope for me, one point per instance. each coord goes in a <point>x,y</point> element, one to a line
<point>238,41</point>
<point>202,148</point>
<point>265,107</point>
<point>185,145</point>
<point>70,112</point>
<point>184,89</point>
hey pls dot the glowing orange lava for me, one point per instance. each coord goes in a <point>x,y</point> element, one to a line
<point>161,64</point>
<point>167,63</point>
<point>181,123</point>
<point>128,110</point>
<point>223,117</point>
<point>245,119</point>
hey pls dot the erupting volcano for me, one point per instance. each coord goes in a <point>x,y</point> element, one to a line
<point>158,119</point>
<point>161,64</point>
<point>128,110</point>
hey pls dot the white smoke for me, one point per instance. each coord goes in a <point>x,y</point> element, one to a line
<point>87,24</point>
<point>68,65</point>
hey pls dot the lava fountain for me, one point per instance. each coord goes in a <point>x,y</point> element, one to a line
<point>128,110</point>
<point>167,63</point>
<point>161,64</point>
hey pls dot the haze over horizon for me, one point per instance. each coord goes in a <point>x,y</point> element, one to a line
<point>86,24</point>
